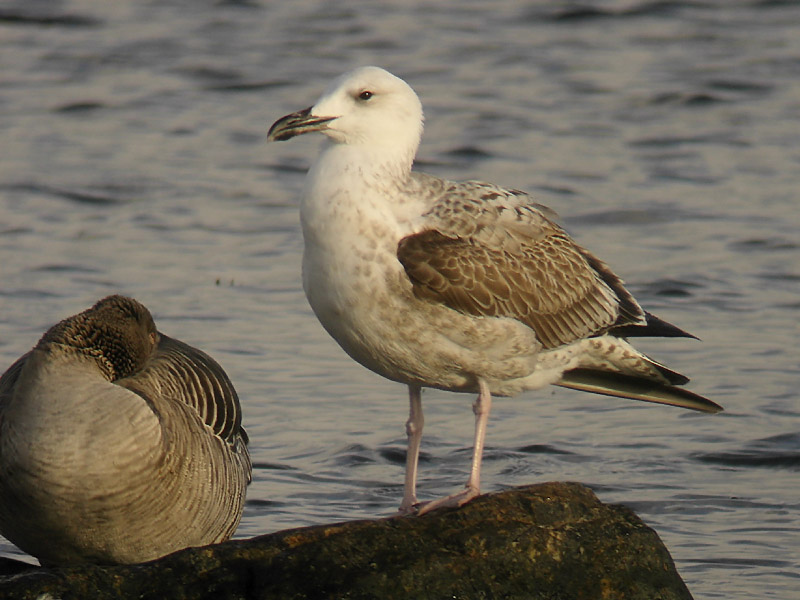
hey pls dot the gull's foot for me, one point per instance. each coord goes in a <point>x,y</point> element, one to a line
<point>451,501</point>
<point>409,506</point>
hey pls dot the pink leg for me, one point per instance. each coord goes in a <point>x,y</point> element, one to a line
<point>481,408</point>
<point>414,432</point>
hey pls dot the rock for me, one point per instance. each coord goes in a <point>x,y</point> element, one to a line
<point>549,541</point>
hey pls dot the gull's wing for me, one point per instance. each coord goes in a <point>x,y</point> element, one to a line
<point>488,251</point>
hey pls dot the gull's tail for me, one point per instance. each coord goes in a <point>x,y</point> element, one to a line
<point>635,388</point>
<point>610,365</point>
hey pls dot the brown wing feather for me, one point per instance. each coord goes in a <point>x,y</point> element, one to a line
<point>544,280</point>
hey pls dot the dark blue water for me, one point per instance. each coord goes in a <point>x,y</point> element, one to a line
<point>133,160</point>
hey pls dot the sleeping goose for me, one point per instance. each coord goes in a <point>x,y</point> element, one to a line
<point>118,444</point>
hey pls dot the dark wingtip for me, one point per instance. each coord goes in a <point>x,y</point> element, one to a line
<point>653,327</point>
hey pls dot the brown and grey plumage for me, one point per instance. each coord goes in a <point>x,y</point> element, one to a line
<point>118,444</point>
<point>467,287</point>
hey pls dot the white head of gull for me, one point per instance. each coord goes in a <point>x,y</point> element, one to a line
<point>467,287</point>
<point>118,444</point>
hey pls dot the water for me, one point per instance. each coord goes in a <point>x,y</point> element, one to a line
<point>133,160</point>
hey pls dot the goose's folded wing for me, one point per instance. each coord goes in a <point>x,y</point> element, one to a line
<point>191,376</point>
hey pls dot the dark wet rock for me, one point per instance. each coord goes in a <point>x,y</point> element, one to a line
<point>552,540</point>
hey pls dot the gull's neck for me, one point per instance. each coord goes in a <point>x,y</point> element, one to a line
<point>359,175</point>
<point>351,187</point>
<point>374,164</point>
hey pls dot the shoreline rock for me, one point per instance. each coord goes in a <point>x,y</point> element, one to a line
<point>549,541</point>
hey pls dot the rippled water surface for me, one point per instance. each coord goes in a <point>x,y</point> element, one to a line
<point>133,160</point>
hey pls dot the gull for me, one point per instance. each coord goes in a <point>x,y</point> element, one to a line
<point>118,444</point>
<point>467,287</point>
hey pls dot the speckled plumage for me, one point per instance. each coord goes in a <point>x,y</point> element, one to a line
<point>118,444</point>
<point>459,286</point>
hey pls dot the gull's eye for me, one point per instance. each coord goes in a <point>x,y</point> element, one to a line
<point>365,95</point>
